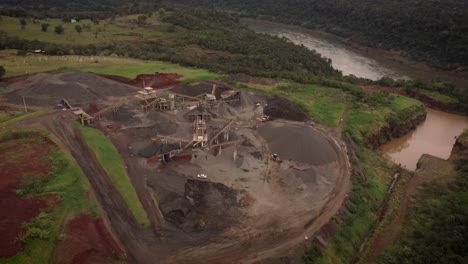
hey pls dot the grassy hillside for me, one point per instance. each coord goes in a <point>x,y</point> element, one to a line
<point>110,160</point>
<point>191,37</point>
<point>123,29</point>
<point>380,110</point>
<point>324,104</point>
<point>127,67</point>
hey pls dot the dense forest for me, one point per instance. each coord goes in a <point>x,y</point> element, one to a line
<point>433,31</point>
<point>61,5</point>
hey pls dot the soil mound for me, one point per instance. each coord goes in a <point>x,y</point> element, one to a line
<point>156,148</point>
<point>206,206</point>
<point>123,114</point>
<point>279,107</point>
<point>78,88</point>
<point>195,89</point>
<point>157,80</point>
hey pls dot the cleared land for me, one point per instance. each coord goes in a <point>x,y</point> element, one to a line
<point>42,190</point>
<point>126,67</point>
<point>244,204</point>
<point>161,189</point>
<point>123,29</point>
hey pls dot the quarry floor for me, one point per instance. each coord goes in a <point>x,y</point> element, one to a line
<point>248,210</point>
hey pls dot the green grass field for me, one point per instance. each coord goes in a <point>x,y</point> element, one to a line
<point>366,198</point>
<point>131,71</point>
<point>110,160</point>
<point>67,180</point>
<point>365,120</point>
<point>322,103</point>
<point>122,29</point>
<point>463,139</point>
<point>439,97</point>
<point>127,67</point>
<point>12,116</point>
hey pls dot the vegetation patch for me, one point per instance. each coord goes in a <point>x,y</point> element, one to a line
<point>222,43</point>
<point>380,110</point>
<point>83,32</point>
<point>131,71</point>
<point>392,25</point>
<point>10,117</point>
<point>389,224</point>
<point>439,97</point>
<point>434,229</point>
<point>324,104</point>
<point>367,196</point>
<point>109,158</point>
<point>42,171</point>
<point>127,67</point>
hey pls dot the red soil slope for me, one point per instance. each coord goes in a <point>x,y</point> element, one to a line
<point>157,80</point>
<point>17,157</point>
<point>87,241</point>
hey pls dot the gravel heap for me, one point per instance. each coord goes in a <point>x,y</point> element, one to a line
<point>78,88</point>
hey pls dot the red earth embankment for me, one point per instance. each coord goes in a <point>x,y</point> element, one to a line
<point>87,241</point>
<point>19,157</point>
<point>156,80</point>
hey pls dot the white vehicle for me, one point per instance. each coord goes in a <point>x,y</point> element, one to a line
<point>202,176</point>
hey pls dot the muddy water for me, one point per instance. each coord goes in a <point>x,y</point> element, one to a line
<point>344,58</point>
<point>349,59</point>
<point>434,136</point>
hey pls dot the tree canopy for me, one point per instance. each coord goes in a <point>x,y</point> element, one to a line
<point>434,31</point>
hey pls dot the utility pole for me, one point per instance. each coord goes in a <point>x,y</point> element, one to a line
<point>25,107</point>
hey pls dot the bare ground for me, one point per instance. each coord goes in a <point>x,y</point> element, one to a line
<point>249,210</point>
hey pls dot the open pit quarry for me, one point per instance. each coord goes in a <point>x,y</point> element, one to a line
<point>225,175</point>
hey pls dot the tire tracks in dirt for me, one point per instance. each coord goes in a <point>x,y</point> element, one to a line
<point>135,238</point>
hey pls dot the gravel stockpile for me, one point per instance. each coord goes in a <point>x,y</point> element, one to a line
<point>279,107</point>
<point>195,89</point>
<point>47,89</point>
<point>297,142</point>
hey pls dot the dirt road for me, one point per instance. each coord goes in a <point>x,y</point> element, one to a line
<point>136,239</point>
<point>166,245</point>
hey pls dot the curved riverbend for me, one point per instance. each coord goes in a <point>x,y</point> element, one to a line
<point>351,58</point>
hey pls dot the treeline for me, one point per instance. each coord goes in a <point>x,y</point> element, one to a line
<point>436,230</point>
<point>193,37</point>
<point>77,9</point>
<point>69,6</point>
<point>247,51</point>
<point>458,95</point>
<point>432,31</point>
<point>416,88</point>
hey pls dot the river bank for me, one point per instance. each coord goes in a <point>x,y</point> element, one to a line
<point>435,136</point>
<point>373,63</point>
<point>429,184</point>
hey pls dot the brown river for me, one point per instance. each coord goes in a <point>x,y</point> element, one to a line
<point>434,136</point>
